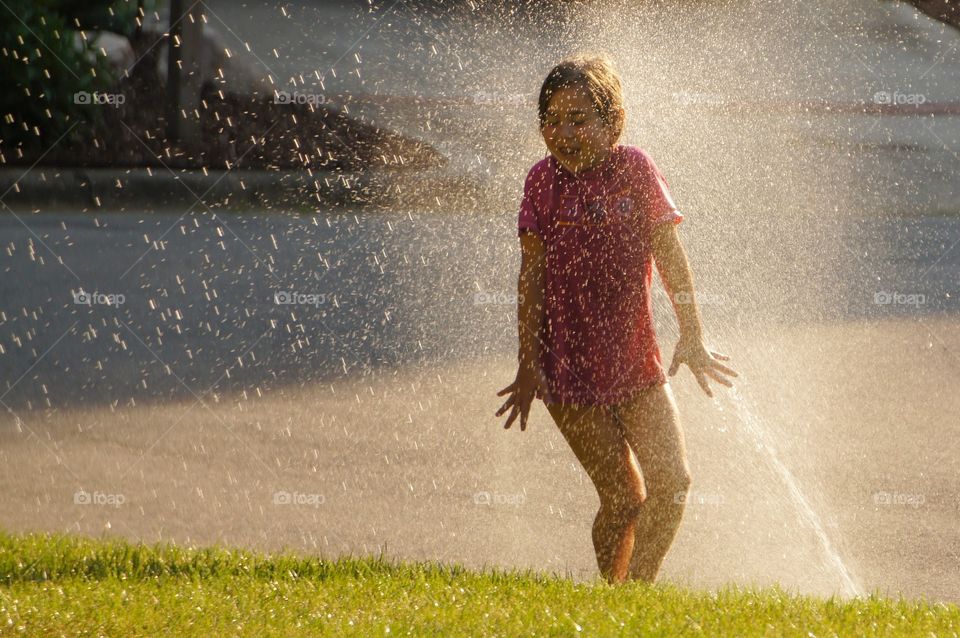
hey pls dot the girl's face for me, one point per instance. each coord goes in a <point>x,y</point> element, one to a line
<point>574,132</point>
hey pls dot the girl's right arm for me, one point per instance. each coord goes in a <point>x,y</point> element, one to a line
<point>530,381</point>
<point>530,308</point>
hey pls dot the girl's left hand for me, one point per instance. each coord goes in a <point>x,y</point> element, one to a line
<point>702,362</point>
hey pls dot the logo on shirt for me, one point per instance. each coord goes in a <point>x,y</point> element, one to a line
<point>624,207</point>
<point>567,213</point>
<point>595,211</point>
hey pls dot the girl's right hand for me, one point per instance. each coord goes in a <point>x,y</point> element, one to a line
<point>525,388</point>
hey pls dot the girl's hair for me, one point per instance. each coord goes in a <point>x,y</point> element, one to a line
<point>595,74</point>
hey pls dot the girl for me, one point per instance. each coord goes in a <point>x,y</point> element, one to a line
<point>594,215</point>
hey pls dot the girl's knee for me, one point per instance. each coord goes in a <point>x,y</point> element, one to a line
<point>620,514</point>
<point>623,503</point>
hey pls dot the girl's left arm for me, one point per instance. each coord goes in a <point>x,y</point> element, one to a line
<point>677,278</point>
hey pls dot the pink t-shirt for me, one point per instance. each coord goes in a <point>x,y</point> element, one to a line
<point>596,225</point>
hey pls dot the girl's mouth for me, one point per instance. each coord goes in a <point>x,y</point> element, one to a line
<point>566,150</point>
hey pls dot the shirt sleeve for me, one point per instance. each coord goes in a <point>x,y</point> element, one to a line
<point>530,204</point>
<point>655,192</point>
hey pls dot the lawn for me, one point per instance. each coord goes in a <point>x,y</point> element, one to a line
<point>64,585</point>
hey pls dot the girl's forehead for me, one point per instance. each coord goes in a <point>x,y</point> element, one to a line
<point>569,99</point>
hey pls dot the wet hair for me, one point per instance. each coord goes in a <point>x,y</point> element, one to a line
<point>595,74</point>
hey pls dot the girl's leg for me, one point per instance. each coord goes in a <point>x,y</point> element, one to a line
<point>595,438</point>
<point>651,426</point>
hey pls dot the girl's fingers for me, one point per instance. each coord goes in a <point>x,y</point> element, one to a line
<point>724,369</point>
<point>674,365</point>
<point>702,380</point>
<point>722,357</point>
<point>713,374</point>
<point>512,417</point>
<point>507,389</point>
<point>506,404</point>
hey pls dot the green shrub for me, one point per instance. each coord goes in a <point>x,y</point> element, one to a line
<point>46,68</point>
<point>117,16</point>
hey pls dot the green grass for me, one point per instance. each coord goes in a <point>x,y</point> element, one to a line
<point>62,585</point>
